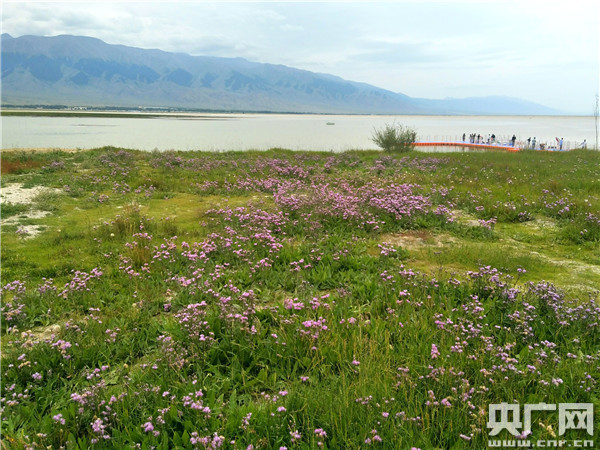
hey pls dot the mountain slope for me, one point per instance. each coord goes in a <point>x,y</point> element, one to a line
<point>76,70</point>
<point>491,105</point>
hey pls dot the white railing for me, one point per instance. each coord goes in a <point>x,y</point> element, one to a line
<point>505,140</point>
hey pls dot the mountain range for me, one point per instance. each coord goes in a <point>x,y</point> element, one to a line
<point>85,71</point>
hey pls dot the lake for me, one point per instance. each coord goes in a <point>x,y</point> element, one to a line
<point>220,132</point>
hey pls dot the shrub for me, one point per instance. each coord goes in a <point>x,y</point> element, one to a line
<point>395,138</point>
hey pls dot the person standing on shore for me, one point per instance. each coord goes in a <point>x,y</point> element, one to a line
<point>513,140</point>
<point>584,144</point>
<point>560,144</point>
<point>464,136</point>
<point>533,143</point>
<point>529,142</point>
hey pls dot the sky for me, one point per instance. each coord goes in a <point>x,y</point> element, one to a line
<point>541,51</point>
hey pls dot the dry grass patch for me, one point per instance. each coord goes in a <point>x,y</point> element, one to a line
<point>416,240</point>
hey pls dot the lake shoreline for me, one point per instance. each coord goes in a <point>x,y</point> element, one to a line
<point>131,113</point>
<point>226,132</point>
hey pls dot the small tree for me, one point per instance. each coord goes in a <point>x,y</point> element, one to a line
<point>395,138</point>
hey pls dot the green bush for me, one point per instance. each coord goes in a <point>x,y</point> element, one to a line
<point>395,138</point>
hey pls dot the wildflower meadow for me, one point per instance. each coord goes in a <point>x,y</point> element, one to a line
<point>279,299</point>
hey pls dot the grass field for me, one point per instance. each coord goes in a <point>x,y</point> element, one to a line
<point>294,299</point>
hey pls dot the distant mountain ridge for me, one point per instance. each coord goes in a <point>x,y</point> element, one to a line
<point>85,71</point>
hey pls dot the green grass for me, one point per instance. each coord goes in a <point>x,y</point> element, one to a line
<point>241,298</point>
<point>12,209</point>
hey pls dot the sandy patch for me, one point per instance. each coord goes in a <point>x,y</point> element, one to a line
<point>540,223</point>
<point>413,240</point>
<point>32,214</point>
<point>570,265</point>
<point>30,231</point>
<point>16,193</point>
<point>465,218</point>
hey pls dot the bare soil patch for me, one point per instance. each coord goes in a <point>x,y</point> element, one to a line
<point>412,240</point>
<point>16,193</point>
<point>465,218</point>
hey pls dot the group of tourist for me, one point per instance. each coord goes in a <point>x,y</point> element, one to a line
<point>530,144</point>
<point>560,144</point>
<point>480,139</point>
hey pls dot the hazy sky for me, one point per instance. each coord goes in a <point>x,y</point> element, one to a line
<point>542,51</point>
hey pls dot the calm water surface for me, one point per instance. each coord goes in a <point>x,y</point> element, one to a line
<point>219,132</point>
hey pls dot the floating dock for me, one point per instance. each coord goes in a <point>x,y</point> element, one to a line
<point>462,146</point>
